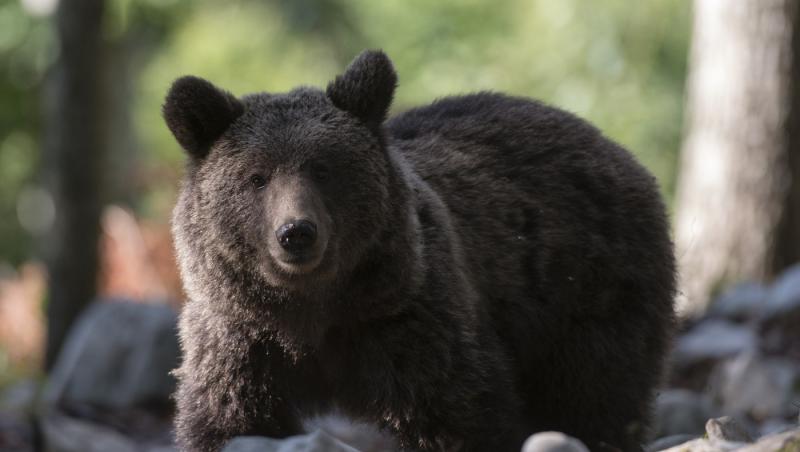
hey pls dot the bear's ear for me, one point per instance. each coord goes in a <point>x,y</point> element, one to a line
<point>198,113</point>
<point>366,87</point>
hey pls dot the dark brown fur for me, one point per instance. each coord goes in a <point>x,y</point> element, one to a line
<point>488,267</point>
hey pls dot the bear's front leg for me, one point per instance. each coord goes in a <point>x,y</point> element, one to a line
<point>210,414</point>
<point>473,409</point>
<point>435,389</point>
<point>228,386</point>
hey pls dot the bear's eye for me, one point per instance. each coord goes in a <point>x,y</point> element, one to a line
<point>257,181</point>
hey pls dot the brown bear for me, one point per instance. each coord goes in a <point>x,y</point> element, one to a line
<point>462,275</point>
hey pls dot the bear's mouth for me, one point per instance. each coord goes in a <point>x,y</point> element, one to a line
<point>287,269</point>
<point>298,263</point>
<point>309,274</point>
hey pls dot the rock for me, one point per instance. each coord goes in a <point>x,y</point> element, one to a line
<point>705,445</point>
<point>773,426</point>
<point>110,387</point>
<point>699,351</point>
<point>65,434</point>
<point>553,442</point>
<point>361,436</point>
<point>669,441</point>
<point>726,429</point>
<point>679,411</point>
<point>781,337</point>
<point>312,442</point>
<point>161,449</point>
<point>781,315</point>
<point>741,302</point>
<point>784,295</point>
<point>141,426</point>
<point>16,434</point>
<point>19,399</point>
<point>17,405</point>
<point>62,432</point>
<point>781,442</point>
<point>713,339</point>
<point>756,387</point>
<point>118,356</point>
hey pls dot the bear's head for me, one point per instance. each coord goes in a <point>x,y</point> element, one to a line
<point>289,189</point>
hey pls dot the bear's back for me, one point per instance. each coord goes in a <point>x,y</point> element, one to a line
<point>551,214</point>
<point>533,188</point>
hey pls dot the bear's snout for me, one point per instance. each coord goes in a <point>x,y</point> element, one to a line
<point>297,237</point>
<point>299,226</point>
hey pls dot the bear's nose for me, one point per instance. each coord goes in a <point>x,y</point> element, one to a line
<point>297,236</point>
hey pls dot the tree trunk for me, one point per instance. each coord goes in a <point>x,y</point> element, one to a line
<point>735,187</point>
<point>75,113</point>
<point>787,247</point>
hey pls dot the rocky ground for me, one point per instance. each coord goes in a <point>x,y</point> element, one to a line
<point>734,384</point>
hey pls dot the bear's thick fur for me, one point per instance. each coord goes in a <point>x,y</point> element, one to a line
<point>463,275</point>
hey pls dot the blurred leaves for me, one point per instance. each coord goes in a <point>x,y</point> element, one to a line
<point>619,64</point>
<point>25,53</point>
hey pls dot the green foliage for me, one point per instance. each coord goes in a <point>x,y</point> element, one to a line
<point>25,54</point>
<point>619,64</point>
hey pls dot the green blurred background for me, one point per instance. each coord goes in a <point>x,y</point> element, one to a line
<point>620,64</point>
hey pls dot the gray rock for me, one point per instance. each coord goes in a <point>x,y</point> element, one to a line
<point>680,411</point>
<point>312,442</point>
<point>705,445</point>
<point>19,399</point>
<point>713,339</point>
<point>118,355</point>
<point>781,442</point>
<point>16,434</point>
<point>741,302</point>
<point>781,315</point>
<point>756,387</point>
<point>161,449</point>
<point>669,441</point>
<point>361,436</point>
<point>17,405</point>
<point>65,434</point>
<point>784,295</point>
<point>774,426</point>
<point>553,442</point>
<point>726,429</point>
